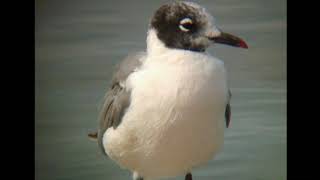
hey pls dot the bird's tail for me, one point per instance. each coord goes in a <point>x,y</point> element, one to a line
<point>93,135</point>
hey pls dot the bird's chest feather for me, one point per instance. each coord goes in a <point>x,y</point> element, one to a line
<point>181,82</point>
<point>175,104</point>
<point>187,93</point>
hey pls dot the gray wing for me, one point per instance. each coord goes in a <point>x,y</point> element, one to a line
<point>228,110</point>
<point>117,99</point>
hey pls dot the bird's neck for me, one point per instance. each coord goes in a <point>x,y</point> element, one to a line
<point>154,45</point>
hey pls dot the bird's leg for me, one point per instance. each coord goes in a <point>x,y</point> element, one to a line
<point>188,176</point>
<point>136,176</point>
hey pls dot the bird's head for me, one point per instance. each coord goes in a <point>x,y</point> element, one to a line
<point>188,26</point>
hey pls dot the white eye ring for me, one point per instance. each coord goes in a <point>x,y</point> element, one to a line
<point>185,21</point>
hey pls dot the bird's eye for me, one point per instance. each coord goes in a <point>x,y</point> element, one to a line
<point>186,24</point>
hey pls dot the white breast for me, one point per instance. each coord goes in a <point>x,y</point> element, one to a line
<point>176,116</point>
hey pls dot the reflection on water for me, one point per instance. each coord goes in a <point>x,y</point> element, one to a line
<point>79,42</point>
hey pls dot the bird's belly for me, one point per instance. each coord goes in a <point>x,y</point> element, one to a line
<point>173,124</point>
<point>190,141</point>
<point>170,148</point>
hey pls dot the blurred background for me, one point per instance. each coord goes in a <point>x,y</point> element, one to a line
<point>78,43</point>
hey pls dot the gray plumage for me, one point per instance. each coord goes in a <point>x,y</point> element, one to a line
<point>117,98</point>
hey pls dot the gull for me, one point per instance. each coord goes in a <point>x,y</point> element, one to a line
<point>167,107</point>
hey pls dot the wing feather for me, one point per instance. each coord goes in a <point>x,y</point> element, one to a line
<point>117,98</point>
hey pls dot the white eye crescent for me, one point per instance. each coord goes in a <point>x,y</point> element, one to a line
<point>185,24</point>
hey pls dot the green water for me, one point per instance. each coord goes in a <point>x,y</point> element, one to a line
<point>79,42</point>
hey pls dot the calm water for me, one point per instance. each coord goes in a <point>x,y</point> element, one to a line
<point>79,42</point>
